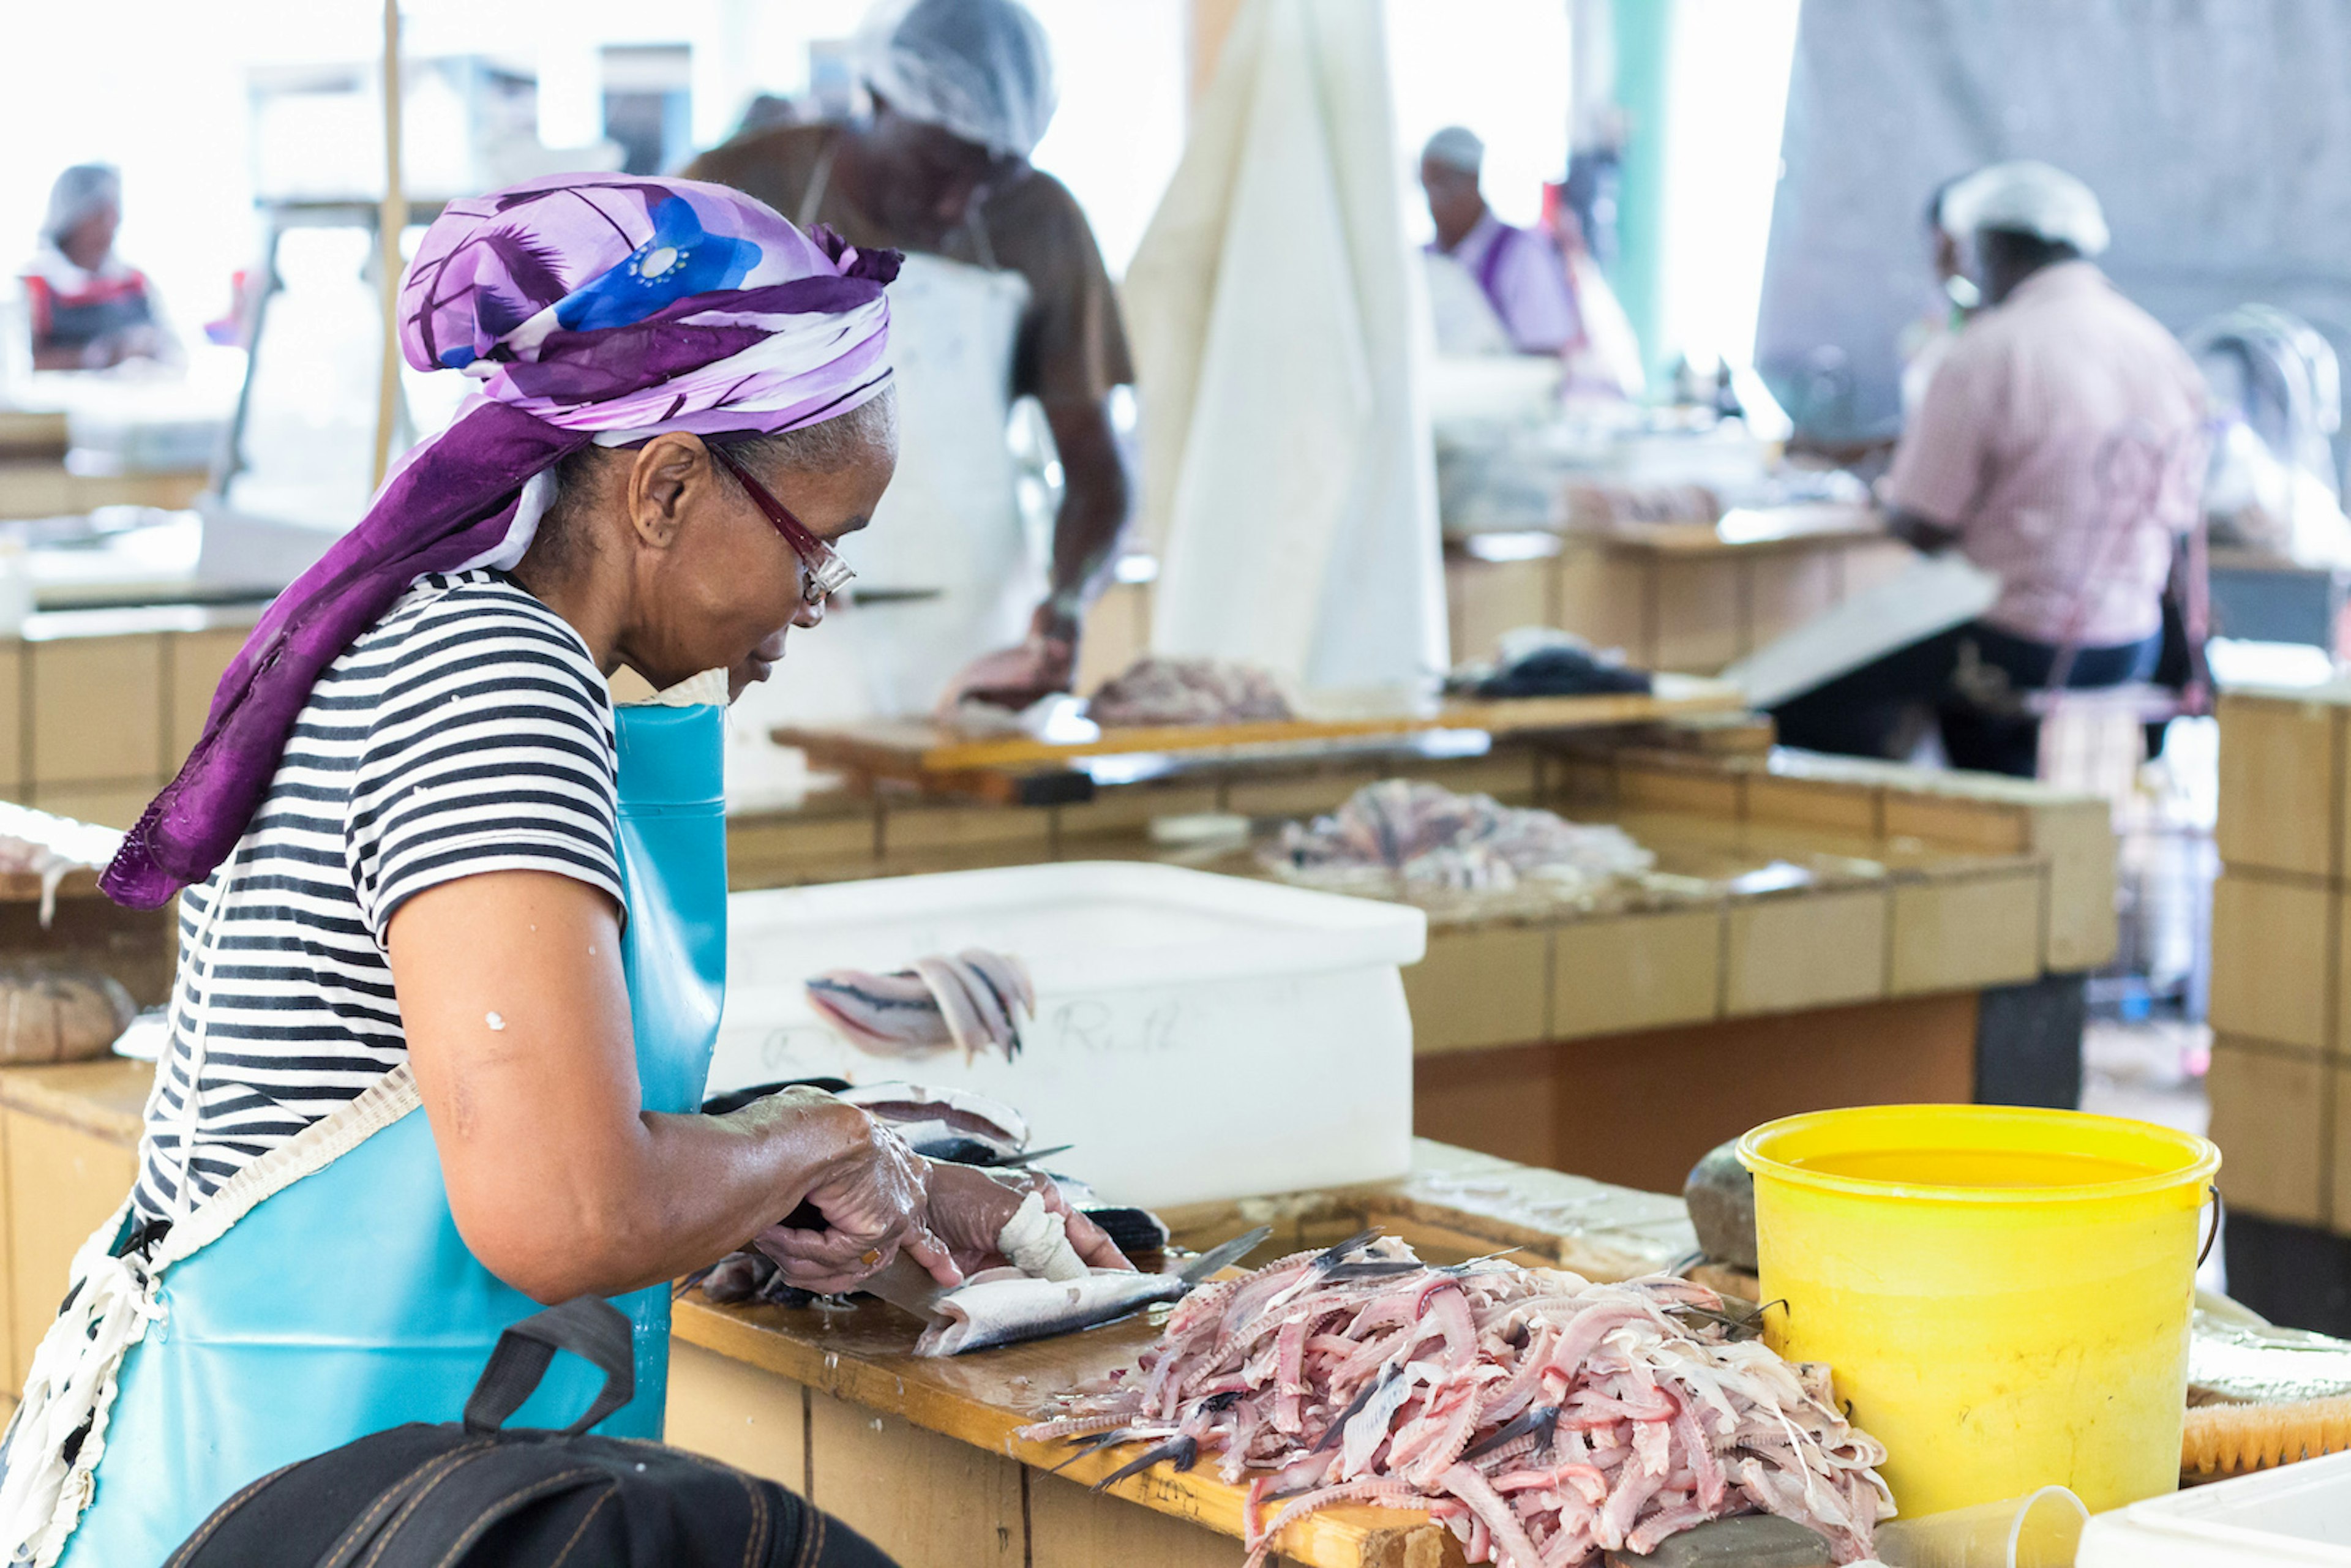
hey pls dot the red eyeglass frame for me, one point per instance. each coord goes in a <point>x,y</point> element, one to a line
<point>828,574</point>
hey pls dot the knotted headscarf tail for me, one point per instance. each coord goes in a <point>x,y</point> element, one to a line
<point>436,517</point>
<point>591,308</point>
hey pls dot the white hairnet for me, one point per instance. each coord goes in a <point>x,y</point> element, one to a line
<point>2030,197</point>
<point>1456,147</point>
<point>979,68</point>
<point>80,192</point>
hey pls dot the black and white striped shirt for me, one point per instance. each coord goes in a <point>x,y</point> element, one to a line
<point>467,731</point>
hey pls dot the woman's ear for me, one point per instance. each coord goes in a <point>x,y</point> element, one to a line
<point>667,470</point>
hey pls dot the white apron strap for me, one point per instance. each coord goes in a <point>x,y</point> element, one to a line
<point>71,1384</point>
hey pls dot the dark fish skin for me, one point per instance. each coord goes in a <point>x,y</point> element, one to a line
<point>1184,1451</point>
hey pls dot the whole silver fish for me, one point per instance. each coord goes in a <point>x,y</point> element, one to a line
<point>1004,1306</point>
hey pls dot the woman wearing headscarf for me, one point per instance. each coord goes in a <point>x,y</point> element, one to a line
<point>88,308</point>
<point>422,862</point>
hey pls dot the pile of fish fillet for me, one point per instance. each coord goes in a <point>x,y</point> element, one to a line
<point>1427,835</point>
<point>1156,690</point>
<point>1544,1419</point>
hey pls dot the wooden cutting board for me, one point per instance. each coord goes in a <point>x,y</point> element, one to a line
<point>911,748</point>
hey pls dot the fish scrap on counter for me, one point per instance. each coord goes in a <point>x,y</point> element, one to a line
<point>1426,835</point>
<point>1543,1419</point>
<point>974,1000</point>
<point>1157,690</point>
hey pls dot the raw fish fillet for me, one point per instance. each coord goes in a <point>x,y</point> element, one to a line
<point>1543,1419</point>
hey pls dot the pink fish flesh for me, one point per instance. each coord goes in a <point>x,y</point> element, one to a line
<point>1542,1418</point>
<point>1156,690</point>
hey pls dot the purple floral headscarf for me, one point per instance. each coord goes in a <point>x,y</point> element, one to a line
<point>602,308</point>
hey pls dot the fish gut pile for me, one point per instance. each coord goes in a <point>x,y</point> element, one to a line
<point>976,1001</point>
<point>1164,691</point>
<point>1427,835</point>
<point>1543,1419</point>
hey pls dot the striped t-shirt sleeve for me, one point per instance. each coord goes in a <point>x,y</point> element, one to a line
<point>491,749</point>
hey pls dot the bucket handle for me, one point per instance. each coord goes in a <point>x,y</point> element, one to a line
<point>2219,1218</point>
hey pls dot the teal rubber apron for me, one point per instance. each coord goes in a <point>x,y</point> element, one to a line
<point>346,1302</point>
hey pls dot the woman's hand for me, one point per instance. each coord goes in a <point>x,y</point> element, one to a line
<point>969,1206</point>
<point>875,1199</point>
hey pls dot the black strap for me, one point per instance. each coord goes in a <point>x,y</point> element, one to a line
<point>444,1526</point>
<point>590,1328</point>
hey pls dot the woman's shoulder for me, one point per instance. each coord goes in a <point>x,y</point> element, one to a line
<point>479,603</point>
<point>471,629</point>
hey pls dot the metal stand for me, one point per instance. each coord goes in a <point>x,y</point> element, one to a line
<point>277,218</point>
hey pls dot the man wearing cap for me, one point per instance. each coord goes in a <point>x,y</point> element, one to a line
<point>1520,273</point>
<point>1006,296</point>
<point>2060,447</point>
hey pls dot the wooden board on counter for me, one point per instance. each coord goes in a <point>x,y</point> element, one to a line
<point>1747,530</point>
<point>865,1357</point>
<point>851,1417</point>
<point>917,749</point>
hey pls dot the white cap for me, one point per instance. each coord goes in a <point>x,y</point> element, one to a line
<point>2030,197</point>
<point>980,69</point>
<point>1456,147</point>
<point>80,192</point>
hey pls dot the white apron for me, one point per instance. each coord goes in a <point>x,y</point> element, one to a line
<point>947,530</point>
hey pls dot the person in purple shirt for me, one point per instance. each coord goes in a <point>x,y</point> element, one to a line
<point>1520,272</point>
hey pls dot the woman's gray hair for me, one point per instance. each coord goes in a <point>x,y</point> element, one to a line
<point>867,432</point>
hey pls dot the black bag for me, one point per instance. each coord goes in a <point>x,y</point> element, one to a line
<point>473,1495</point>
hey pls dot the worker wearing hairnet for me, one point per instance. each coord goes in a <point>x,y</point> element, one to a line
<point>1004,295</point>
<point>2060,447</point>
<point>88,308</point>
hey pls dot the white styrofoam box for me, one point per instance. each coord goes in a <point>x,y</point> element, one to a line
<point>1197,1037</point>
<point>2295,1513</point>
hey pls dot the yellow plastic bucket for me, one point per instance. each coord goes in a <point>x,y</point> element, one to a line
<point>2001,1293</point>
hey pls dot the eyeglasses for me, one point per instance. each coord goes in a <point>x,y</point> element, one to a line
<point>827,573</point>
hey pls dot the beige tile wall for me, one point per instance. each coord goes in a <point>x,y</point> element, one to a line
<point>92,727</point>
<point>2280,1009</point>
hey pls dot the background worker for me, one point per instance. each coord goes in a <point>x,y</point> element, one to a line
<point>1929,338</point>
<point>1519,271</point>
<point>88,309</point>
<point>1004,295</point>
<point>2060,447</point>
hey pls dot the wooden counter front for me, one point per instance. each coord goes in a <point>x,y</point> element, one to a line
<point>68,1154</point>
<point>919,1456</point>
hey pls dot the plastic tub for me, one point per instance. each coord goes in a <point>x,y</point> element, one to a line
<point>1197,1037</point>
<point>2296,1514</point>
<point>2003,1294</point>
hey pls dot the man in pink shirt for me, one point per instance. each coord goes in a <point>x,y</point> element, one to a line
<point>2060,447</point>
